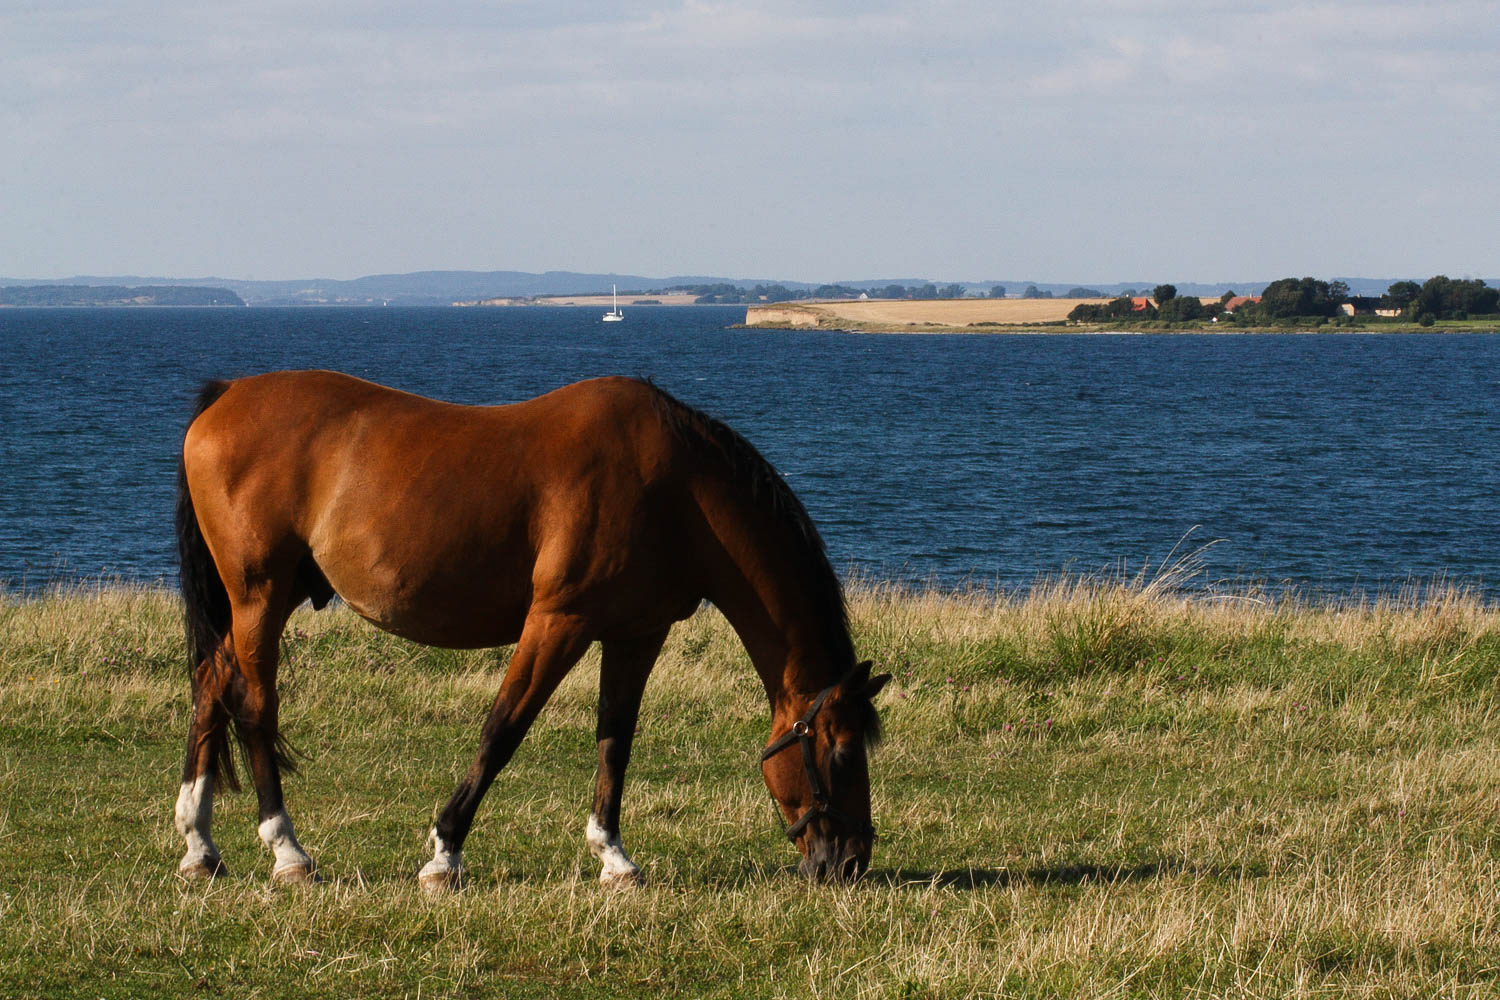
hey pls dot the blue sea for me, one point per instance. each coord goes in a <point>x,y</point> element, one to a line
<point>1340,466</point>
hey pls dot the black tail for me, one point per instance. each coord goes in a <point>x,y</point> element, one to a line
<point>205,601</point>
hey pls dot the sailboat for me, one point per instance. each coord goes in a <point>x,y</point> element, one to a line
<point>614,315</point>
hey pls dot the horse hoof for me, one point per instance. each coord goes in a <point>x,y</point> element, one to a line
<point>209,867</point>
<point>442,880</point>
<point>295,874</point>
<point>631,879</point>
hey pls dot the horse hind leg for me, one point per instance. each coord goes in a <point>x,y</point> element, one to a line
<point>622,681</point>
<point>208,758</point>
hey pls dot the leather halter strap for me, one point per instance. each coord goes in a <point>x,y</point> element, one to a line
<point>801,732</point>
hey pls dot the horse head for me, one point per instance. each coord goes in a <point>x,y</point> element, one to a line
<point>816,767</point>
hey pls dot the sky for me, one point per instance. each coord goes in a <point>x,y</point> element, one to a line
<point>955,140</point>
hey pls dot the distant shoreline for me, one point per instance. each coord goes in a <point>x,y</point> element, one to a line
<point>1035,316</point>
<point>597,301</point>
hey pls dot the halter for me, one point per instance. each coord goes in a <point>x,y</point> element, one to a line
<point>801,732</point>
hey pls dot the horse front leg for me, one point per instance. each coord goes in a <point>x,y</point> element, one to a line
<point>549,646</point>
<point>622,680</point>
<point>256,652</point>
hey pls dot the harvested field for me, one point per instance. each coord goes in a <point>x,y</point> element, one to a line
<point>899,313</point>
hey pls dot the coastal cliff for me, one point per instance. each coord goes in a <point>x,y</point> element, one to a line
<point>782,315</point>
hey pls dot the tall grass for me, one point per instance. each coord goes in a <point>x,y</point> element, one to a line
<point>1095,787</point>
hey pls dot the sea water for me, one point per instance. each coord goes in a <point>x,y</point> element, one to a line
<point>1338,465</point>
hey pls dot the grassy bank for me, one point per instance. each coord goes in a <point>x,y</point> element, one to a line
<point>1091,790</point>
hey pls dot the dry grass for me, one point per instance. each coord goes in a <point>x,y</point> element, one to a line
<point>1111,788</point>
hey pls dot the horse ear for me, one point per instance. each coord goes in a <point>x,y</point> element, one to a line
<point>873,686</point>
<point>860,675</point>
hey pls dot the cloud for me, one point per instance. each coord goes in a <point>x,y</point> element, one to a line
<point>942,113</point>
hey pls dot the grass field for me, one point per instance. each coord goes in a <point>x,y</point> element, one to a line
<point>1092,789</point>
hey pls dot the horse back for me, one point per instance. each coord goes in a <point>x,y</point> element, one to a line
<point>442,522</point>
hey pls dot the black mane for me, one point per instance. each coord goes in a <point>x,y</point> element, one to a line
<point>750,470</point>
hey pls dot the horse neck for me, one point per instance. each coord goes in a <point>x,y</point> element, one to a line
<point>795,650</point>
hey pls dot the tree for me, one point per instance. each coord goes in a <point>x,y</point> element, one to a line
<point>774,293</point>
<point>997,291</point>
<point>927,291</point>
<point>1120,308</point>
<point>954,291</point>
<point>893,292</point>
<point>1447,298</point>
<point>1224,299</point>
<point>835,292</point>
<point>1180,309</point>
<point>1289,297</point>
<point>1079,292</point>
<point>1401,294</point>
<point>1164,293</point>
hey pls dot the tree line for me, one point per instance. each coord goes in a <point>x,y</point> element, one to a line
<point>1306,300</point>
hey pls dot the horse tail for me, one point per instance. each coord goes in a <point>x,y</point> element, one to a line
<point>206,617</point>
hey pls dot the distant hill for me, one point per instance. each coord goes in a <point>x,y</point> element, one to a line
<point>117,295</point>
<point>433,288</point>
<point>420,288</point>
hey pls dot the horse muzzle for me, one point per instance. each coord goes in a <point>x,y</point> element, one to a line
<point>835,859</point>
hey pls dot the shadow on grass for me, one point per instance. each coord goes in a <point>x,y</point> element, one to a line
<point>1075,874</point>
<point>732,876</point>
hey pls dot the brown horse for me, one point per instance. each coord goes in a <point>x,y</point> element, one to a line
<point>605,511</point>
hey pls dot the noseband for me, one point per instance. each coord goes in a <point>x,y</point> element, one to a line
<point>801,732</point>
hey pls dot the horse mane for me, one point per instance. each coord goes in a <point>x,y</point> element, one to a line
<point>748,469</point>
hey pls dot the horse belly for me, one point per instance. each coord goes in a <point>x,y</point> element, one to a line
<point>454,606</point>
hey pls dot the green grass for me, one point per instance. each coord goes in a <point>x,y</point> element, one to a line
<point>1094,789</point>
